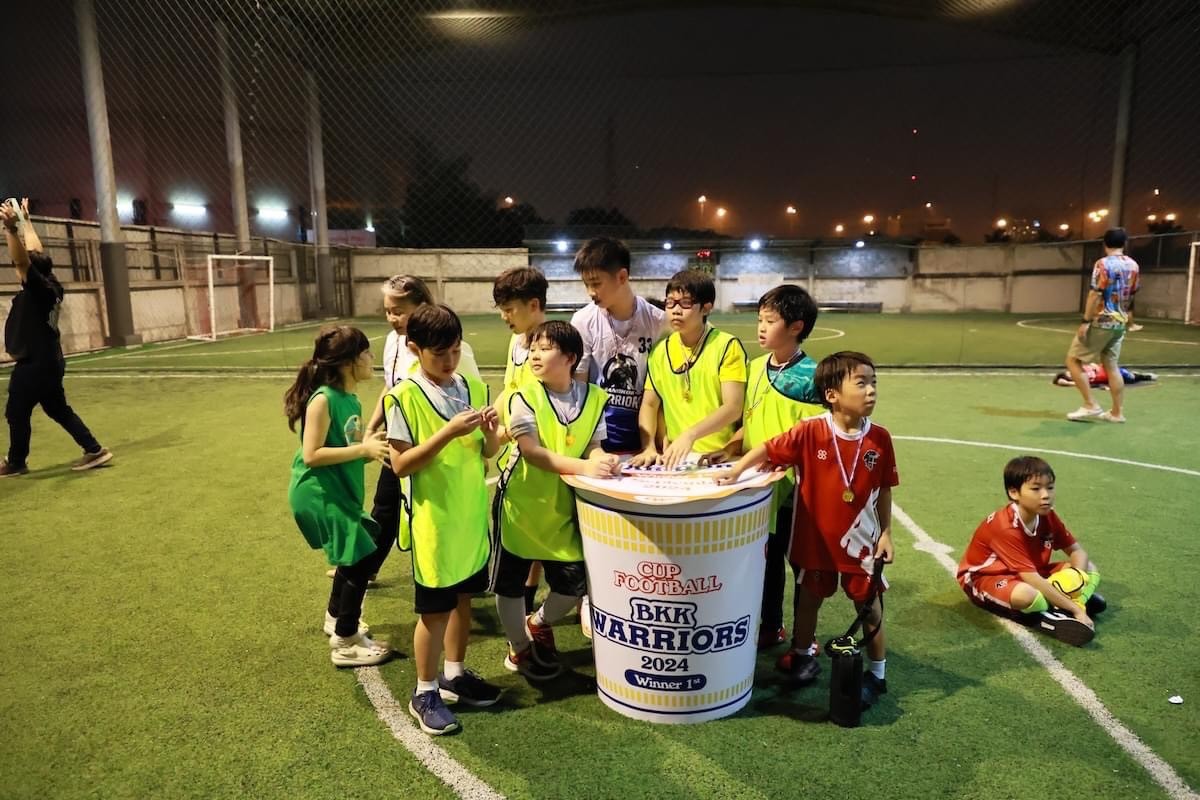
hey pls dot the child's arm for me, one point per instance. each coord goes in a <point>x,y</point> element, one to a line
<point>377,415</point>
<point>490,425</point>
<point>603,465</point>
<point>409,458</point>
<point>883,508</point>
<point>733,394</point>
<point>1078,557</point>
<point>648,427</point>
<point>316,453</point>
<point>732,451</point>
<point>752,459</point>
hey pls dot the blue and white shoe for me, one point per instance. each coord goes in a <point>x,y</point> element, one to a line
<point>431,713</point>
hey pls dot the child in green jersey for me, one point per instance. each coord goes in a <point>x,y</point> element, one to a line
<point>326,489</point>
<point>441,429</point>
<point>698,377</point>
<point>558,426</point>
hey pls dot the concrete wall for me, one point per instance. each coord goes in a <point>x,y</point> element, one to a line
<point>1022,279</point>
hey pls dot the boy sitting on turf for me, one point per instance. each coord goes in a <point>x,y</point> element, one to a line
<point>441,429</point>
<point>1006,568</point>
<point>698,375</point>
<point>558,426</point>
<point>846,468</point>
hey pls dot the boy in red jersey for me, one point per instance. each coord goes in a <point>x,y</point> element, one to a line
<point>845,470</point>
<point>1006,567</point>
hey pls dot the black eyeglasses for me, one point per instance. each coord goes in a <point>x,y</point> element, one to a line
<point>684,304</point>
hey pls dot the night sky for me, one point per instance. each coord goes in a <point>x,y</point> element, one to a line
<point>754,107</point>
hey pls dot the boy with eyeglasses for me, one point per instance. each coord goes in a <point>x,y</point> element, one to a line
<point>698,377</point>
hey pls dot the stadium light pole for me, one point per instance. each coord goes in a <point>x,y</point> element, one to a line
<point>233,140</point>
<point>316,158</point>
<point>118,302</point>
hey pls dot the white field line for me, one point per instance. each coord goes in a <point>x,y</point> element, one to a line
<point>1027,324</point>
<point>1160,771</point>
<point>837,334</point>
<point>395,716</point>
<point>1036,449</point>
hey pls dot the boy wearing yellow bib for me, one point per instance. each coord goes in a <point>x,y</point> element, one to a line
<point>520,295</point>
<point>698,377</point>
<point>557,426</point>
<point>779,393</point>
<point>441,429</point>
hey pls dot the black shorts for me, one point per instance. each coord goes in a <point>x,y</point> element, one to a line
<point>565,577</point>
<point>440,600</point>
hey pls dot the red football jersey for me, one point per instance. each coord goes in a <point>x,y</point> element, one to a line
<point>829,533</point>
<point>1002,546</point>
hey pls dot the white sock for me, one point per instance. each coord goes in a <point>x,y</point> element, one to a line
<point>426,686</point>
<point>877,668</point>
<point>453,669</point>
<point>555,608</point>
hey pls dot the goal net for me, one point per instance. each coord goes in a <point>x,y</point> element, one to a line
<point>1191,302</point>
<point>229,295</point>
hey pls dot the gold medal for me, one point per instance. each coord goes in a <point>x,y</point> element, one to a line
<point>512,384</point>
<point>687,395</point>
<point>570,439</point>
<point>848,496</point>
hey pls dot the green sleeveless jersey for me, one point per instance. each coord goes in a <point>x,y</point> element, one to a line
<point>691,393</point>
<point>327,502</point>
<point>534,510</point>
<point>769,412</point>
<point>444,508</point>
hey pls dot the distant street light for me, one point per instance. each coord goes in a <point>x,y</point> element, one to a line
<point>702,199</point>
<point>839,228</point>
<point>721,212</point>
<point>508,200</point>
<point>1151,217</point>
<point>1002,223</point>
<point>929,205</point>
<point>1064,227</point>
<point>1170,217</point>
<point>869,218</point>
<point>791,215</point>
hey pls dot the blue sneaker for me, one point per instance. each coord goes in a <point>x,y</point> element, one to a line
<point>431,713</point>
<point>468,688</point>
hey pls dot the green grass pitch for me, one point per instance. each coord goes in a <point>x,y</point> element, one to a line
<point>162,615</point>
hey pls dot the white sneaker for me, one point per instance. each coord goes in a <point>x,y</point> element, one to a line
<point>1085,413</point>
<point>585,617</point>
<point>357,651</point>
<point>331,624</point>
<point>1107,416</point>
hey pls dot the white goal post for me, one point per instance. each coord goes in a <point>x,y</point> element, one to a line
<point>229,295</point>
<point>1191,303</point>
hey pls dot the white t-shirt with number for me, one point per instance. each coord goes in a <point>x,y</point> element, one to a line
<point>614,358</point>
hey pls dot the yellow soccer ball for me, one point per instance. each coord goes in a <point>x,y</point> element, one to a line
<point>1070,581</point>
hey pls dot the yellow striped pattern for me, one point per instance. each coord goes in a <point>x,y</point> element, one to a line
<point>673,537</point>
<point>671,700</point>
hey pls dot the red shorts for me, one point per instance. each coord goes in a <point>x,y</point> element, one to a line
<point>996,590</point>
<point>821,583</point>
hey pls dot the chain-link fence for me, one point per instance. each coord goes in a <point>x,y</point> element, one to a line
<point>441,126</point>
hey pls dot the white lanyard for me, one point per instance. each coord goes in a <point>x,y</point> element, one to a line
<point>847,495</point>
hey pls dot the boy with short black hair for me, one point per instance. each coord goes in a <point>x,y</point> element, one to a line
<point>520,295</point>
<point>441,429</point>
<point>780,391</point>
<point>557,424</point>
<point>1006,569</point>
<point>618,328</point>
<point>845,468</point>
<point>698,378</point>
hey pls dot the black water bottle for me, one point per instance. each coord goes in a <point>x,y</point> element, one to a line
<point>845,682</point>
